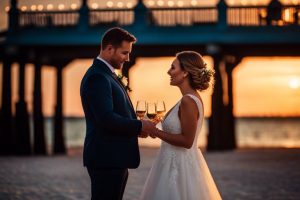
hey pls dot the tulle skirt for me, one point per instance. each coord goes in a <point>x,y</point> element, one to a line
<point>179,174</point>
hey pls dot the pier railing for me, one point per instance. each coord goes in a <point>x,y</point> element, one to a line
<point>48,18</point>
<point>258,16</point>
<point>235,15</point>
<point>183,16</point>
<point>107,16</point>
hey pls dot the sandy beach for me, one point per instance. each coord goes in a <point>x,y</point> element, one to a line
<point>253,174</point>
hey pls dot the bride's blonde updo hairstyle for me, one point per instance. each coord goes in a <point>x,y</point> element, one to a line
<point>200,76</point>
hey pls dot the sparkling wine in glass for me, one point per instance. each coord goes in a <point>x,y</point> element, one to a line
<point>141,108</point>
<point>160,109</point>
<point>151,111</point>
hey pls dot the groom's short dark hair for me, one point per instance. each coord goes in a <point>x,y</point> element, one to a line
<point>115,36</point>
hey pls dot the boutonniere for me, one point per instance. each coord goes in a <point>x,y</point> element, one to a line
<point>124,81</point>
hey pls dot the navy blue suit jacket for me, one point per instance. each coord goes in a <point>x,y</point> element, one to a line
<point>111,124</point>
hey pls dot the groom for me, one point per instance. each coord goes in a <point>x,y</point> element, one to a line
<point>111,145</point>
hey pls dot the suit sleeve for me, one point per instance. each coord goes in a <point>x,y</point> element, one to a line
<point>98,96</point>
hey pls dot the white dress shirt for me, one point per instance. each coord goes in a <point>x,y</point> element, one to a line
<point>107,64</point>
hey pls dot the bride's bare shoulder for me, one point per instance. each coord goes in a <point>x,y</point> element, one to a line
<point>188,102</point>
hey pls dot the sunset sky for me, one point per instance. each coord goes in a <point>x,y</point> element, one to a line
<point>268,86</point>
<point>264,86</point>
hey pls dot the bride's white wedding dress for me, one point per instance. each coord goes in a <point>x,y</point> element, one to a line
<point>179,173</point>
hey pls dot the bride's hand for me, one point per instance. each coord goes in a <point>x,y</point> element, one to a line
<point>154,134</point>
<point>156,120</point>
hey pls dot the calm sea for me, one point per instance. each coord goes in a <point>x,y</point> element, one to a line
<point>250,132</point>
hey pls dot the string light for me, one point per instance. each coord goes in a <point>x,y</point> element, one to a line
<point>110,4</point>
<point>171,3</point>
<point>263,13</point>
<point>151,3</point>
<point>231,2</point>
<point>194,3</point>
<point>73,6</point>
<point>280,23</point>
<point>129,5</point>
<point>120,4</point>
<point>160,3</point>
<point>180,3</point>
<point>254,2</point>
<point>23,8</point>
<point>40,7</point>
<point>61,7</point>
<point>94,5</point>
<point>50,7</point>
<point>295,2</point>
<point>7,9</point>
<point>33,8</point>
<point>244,2</point>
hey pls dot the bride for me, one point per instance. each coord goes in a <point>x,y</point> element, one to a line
<point>180,171</point>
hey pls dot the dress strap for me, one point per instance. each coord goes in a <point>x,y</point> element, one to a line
<point>199,104</point>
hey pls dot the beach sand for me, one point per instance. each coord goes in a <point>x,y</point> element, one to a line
<point>252,174</point>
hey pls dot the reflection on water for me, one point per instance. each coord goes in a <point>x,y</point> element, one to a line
<point>251,132</point>
<point>268,132</point>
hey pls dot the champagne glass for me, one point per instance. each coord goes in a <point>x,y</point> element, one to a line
<point>161,109</point>
<point>151,111</point>
<point>141,108</point>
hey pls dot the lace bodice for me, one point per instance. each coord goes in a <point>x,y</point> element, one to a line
<point>171,123</point>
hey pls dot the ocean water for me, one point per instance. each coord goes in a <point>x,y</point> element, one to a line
<point>250,132</point>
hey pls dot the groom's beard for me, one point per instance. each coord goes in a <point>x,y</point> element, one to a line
<point>116,64</point>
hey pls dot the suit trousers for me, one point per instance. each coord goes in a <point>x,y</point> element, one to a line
<point>108,183</point>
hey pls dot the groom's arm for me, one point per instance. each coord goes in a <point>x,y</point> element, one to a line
<point>98,95</point>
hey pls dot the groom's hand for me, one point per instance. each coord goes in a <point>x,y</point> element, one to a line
<point>147,128</point>
<point>143,135</point>
<point>152,135</point>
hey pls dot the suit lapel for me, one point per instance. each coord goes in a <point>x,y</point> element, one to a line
<point>102,66</point>
<point>123,89</point>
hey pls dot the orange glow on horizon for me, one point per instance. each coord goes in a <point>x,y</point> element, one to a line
<point>262,86</point>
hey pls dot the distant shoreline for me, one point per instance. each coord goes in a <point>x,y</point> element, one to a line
<point>251,132</point>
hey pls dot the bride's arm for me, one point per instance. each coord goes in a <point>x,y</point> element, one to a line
<point>188,118</point>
